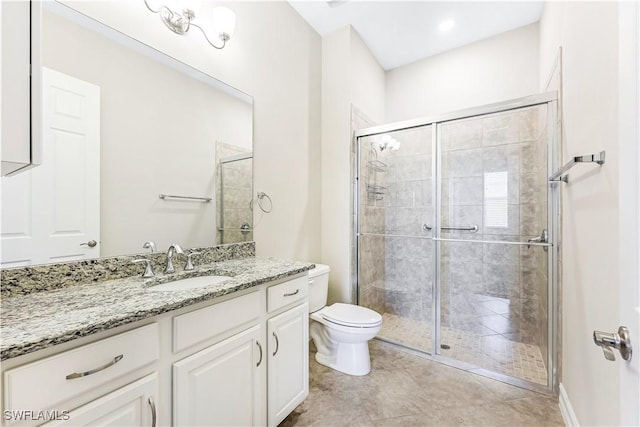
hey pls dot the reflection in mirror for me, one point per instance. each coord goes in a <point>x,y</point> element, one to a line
<point>122,124</point>
<point>234,192</point>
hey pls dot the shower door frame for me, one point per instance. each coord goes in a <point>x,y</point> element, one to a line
<point>553,226</point>
<point>221,163</point>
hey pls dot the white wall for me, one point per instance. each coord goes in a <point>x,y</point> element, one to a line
<point>492,70</point>
<point>350,76</point>
<point>368,80</point>
<point>274,56</point>
<point>588,34</point>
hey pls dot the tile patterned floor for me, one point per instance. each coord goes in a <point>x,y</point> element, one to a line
<point>493,352</point>
<point>407,390</point>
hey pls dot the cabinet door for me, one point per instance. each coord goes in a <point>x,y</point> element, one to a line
<point>131,405</point>
<point>288,367</point>
<point>222,385</point>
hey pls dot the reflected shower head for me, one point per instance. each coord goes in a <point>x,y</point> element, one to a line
<point>386,142</point>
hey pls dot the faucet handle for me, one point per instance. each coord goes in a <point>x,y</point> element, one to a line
<point>148,272</point>
<point>149,245</point>
<point>189,265</point>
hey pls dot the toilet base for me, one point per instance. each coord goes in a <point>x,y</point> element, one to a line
<point>351,359</point>
<point>343,348</point>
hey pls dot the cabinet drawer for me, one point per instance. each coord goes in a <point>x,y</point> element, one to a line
<point>51,381</point>
<point>197,326</point>
<point>285,293</point>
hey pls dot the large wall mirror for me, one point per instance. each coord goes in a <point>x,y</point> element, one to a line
<point>123,124</point>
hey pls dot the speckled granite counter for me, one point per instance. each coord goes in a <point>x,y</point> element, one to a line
<point>39,320</point>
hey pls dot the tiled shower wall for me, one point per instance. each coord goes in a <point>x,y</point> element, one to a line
<point>395,194</point>
<point>233,194</point>
<point>408,206</point>
<point>488,289</point>
<point>372,252</point>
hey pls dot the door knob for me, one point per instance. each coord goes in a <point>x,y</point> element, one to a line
<point>610,341</point>
<point>90,243</point>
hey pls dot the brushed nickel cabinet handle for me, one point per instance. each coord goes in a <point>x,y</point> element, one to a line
<point>290,294</point>
<point>259,347</point>
<point>277,344</point>
<point>93,371</point>
<point>153,411</point>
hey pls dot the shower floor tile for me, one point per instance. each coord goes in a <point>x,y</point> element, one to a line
<point>491,352</point>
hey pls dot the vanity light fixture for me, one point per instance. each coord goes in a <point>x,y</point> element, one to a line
<point>180,18</point>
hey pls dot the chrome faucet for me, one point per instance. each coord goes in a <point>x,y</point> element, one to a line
<point>173,248</point>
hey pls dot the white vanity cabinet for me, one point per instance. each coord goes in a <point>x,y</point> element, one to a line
<point>288,359</point>
<point>222,385</point>
<point>239,360</point>
<point>244,379</point>
<point>90,384</point>
<point>132,405</point>
<point>219,376</point>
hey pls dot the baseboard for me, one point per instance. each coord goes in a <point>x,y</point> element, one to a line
<point>566,409</point>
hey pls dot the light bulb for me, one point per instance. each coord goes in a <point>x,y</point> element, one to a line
<point>446,25</point>
<point>223,21</point>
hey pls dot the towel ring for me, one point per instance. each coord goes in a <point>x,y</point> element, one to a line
<point>261,196</point>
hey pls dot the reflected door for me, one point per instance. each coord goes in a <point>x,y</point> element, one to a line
<point>51,213</point>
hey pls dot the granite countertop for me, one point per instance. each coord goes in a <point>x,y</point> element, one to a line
<point>43,319</point>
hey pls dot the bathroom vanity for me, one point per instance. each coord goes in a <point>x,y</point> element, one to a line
<point>118,352</point>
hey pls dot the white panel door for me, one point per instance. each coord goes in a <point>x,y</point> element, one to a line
<point>222,385</point>
<point>50,211</point>
<point>629,207</point>
<point>131,405</point>
<point>288,367</point>
<point>16,221</point>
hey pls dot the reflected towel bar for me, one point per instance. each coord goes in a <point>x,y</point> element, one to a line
<point>169,196</point>
<point>591,158</point>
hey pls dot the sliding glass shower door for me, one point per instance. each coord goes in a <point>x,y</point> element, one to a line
<point>494,284</point>
<point>455,224</point>
<point>395,200</point>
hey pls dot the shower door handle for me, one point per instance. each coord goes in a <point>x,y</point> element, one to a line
<point>472,228</point>
<point>542,238</point>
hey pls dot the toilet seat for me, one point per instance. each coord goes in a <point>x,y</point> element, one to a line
<point>351,316</point>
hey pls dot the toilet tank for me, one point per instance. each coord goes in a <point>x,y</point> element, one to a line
<point>318,287</point>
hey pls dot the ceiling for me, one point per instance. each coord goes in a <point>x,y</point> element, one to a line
<point>401,32</point>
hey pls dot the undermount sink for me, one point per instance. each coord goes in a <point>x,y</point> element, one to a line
<point>190,283</point>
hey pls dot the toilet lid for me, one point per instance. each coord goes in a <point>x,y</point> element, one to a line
<point>351,315</point>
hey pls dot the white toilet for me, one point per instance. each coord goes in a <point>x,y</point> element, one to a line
<point>341,332</point>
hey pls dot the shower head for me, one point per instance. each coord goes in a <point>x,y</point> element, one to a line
<point>386,142</point>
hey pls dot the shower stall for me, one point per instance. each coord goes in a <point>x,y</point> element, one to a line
<point>456,234</point>
<point>234,192</point>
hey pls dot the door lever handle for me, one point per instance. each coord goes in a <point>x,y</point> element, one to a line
<point>610,341</point>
